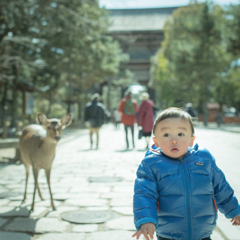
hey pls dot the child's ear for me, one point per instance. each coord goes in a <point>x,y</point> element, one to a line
<point>155,142</point>
<point>192,140</point>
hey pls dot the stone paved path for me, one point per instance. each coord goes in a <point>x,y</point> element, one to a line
<point>74,188</point>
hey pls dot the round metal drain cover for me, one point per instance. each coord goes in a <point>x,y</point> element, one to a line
<point>105,179</point>
<point>87,216</point>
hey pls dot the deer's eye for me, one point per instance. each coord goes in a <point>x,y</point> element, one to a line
<point>49,128</point>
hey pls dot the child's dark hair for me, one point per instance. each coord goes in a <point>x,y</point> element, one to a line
<point>173,113</point>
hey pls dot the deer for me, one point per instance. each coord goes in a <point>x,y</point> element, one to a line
<point>38,147</point>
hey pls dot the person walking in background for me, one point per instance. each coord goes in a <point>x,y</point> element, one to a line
<point>94,117</point>
<point>117,118</point>
<point>191,111</point>
<point>179,188</point>
<point>146,117</point>
<point>107,115</point>
<point>128,108</point>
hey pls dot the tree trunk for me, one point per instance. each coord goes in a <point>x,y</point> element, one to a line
<point>109,82</point>
<point>205,113</point>
<point>220,114</point>
<point>14,99</point>
<point>50,103</point>
<point>23,105</point>
<point>69,85</point>
<point>3,102</point>
<point>205,108</point>
<point>69,108</point>
<point>80,107</point>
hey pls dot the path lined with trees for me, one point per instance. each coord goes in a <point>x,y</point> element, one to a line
<point>58,51</point>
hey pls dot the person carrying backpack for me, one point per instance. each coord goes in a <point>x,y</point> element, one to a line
<point>128,108</point>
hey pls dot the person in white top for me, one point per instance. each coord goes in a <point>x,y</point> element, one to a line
<point>117,118</point>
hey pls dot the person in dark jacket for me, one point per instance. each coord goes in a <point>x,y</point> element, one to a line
<point>94,117</point>
<point>191,111</point>
<point>179,186</point>
<point>146,117</point>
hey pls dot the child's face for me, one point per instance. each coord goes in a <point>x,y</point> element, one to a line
<point>173,136</point>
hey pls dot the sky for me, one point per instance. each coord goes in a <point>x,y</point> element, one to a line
<point>155,3</point>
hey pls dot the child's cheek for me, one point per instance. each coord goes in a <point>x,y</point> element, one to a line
<point>186,143</point>
<point>164,145</point>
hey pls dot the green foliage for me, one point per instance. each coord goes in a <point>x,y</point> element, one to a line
<point>41,105</point>
<point>193,55</point>
<point>163,81</point>
<point>227,88</point>
<point>124,78</point>
<point>232,30</point>
<point>61,44</point>
<point>230,87</point>
<point>57,110</point>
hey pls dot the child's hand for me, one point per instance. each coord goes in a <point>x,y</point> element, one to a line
<point>236,221</point>
<point>147,228</point>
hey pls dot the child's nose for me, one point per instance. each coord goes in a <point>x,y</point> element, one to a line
<point>174,141</point>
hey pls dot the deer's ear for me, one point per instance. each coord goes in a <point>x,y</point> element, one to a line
<point>66,120</point>
<point>41,119</point>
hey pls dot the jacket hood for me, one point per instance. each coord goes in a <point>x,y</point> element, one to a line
<point>153,150</point>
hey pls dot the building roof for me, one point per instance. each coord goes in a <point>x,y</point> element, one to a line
<point>149,19</point>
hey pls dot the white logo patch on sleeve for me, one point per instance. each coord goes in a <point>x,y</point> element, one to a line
<point>199,163</point>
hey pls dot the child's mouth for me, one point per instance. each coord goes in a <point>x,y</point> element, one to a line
<point>174,150</point>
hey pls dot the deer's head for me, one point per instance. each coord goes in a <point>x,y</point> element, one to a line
<point>54,126</point>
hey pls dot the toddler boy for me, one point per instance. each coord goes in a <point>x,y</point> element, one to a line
<point>183,181</point>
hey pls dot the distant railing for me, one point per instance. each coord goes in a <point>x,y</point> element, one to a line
<point>225,119</point>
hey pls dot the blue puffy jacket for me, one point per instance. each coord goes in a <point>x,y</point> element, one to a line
<point>188,192</point>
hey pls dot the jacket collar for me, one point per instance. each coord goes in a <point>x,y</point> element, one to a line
<point>157,150</point>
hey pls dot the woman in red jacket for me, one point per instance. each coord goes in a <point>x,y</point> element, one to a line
<point>146,117</point>
<point>128,108</point>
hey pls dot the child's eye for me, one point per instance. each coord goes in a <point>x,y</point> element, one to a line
<point>166,135</point>
<point>180,134</point>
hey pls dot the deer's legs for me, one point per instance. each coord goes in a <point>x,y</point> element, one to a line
<point>25,192</point>
<point>35,173</point>
<point>47,172</point>
<point>39,192</point>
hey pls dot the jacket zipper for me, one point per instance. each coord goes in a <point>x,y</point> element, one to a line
<point>188,199</point>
